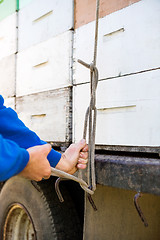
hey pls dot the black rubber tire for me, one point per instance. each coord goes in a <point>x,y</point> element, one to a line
<point>52,220</point>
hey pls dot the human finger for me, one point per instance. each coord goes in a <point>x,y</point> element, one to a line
<point>80,145</point>
<point>85,148</point>
<point>38,179</point>
<point>82,160</point>
<point>81,166</point>
<point>83,155</point>
<point>46,148</point>
<point>46,177</point>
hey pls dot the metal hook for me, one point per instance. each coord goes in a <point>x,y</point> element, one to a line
<point>136,197</point>
<point>61,199</point>
<point>91,202</point>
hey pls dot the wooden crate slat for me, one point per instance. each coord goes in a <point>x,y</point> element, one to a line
<point>128,42</point>
<point>45,66</point>
<point>41,20</point>
<point>8,36</point>
<point>47,113</point>
<point>8,76</point>
<point>127,110</point>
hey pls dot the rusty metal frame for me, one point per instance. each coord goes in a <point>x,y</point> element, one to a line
<point>140,174</point>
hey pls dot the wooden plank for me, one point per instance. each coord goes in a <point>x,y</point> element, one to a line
<point>45,66</point>
<point>41,20</point>
<point>7,76</point>
<point>127,44</point>
<point>8,36</point>
<point>48,114</point>
<point>85,10</point>
<point>127,108</point>
<point>7,7</point>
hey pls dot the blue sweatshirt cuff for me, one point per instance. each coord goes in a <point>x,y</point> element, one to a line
<point>23,161</point>
<point>54,157</point>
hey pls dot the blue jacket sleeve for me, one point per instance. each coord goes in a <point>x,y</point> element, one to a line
<point>13,159</point>
<point>12,128</point>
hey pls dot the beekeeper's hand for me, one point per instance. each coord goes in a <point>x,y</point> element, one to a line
<point>38,166</point>
<point>76,156</point>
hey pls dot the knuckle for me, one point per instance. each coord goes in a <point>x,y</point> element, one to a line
<point>85,149</point>
<point>83,161</point>
<point>81,166</point>
<point>67,169</point>
<point>39,179</point>
<point>84,155</point>
<point>48,172</point>
<point>73,146</point>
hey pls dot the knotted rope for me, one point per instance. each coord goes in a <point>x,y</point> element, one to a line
<point>90,117</point>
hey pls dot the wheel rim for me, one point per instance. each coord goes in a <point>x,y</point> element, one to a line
<point>19,224</point>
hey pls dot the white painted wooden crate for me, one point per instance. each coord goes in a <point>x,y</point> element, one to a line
<point>128,110</point>
<point>41,20</point>
<point>8,76</point>
<point>129,42</point>
<point>8,36</point>
<point>9,102</point>
<point>48,114</point>
<point>45,66</point>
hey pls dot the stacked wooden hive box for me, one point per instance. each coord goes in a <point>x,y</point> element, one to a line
<point>128,94</point>
<point>36,44</point>
<point>38,64</point>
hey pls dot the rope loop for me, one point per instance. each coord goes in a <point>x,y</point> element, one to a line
<point>92,66</point>
<point>90,119</point>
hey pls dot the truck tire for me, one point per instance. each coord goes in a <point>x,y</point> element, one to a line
<point>31,210</point>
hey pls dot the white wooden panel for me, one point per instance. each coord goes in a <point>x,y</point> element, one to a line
<point>7,76</point>
<point>47,113</point>
<point>9,102</point>
<point>41,20</point>
<point>128,110</point>
<point>129,42</point>
<point>23,3</point>
<point>45,66</point>
<point>8,36</point>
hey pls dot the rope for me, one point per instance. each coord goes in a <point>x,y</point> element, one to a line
<point>64,175</point>
<point>90,117</point>
<point>91,113</point>
<point>96,33</point>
